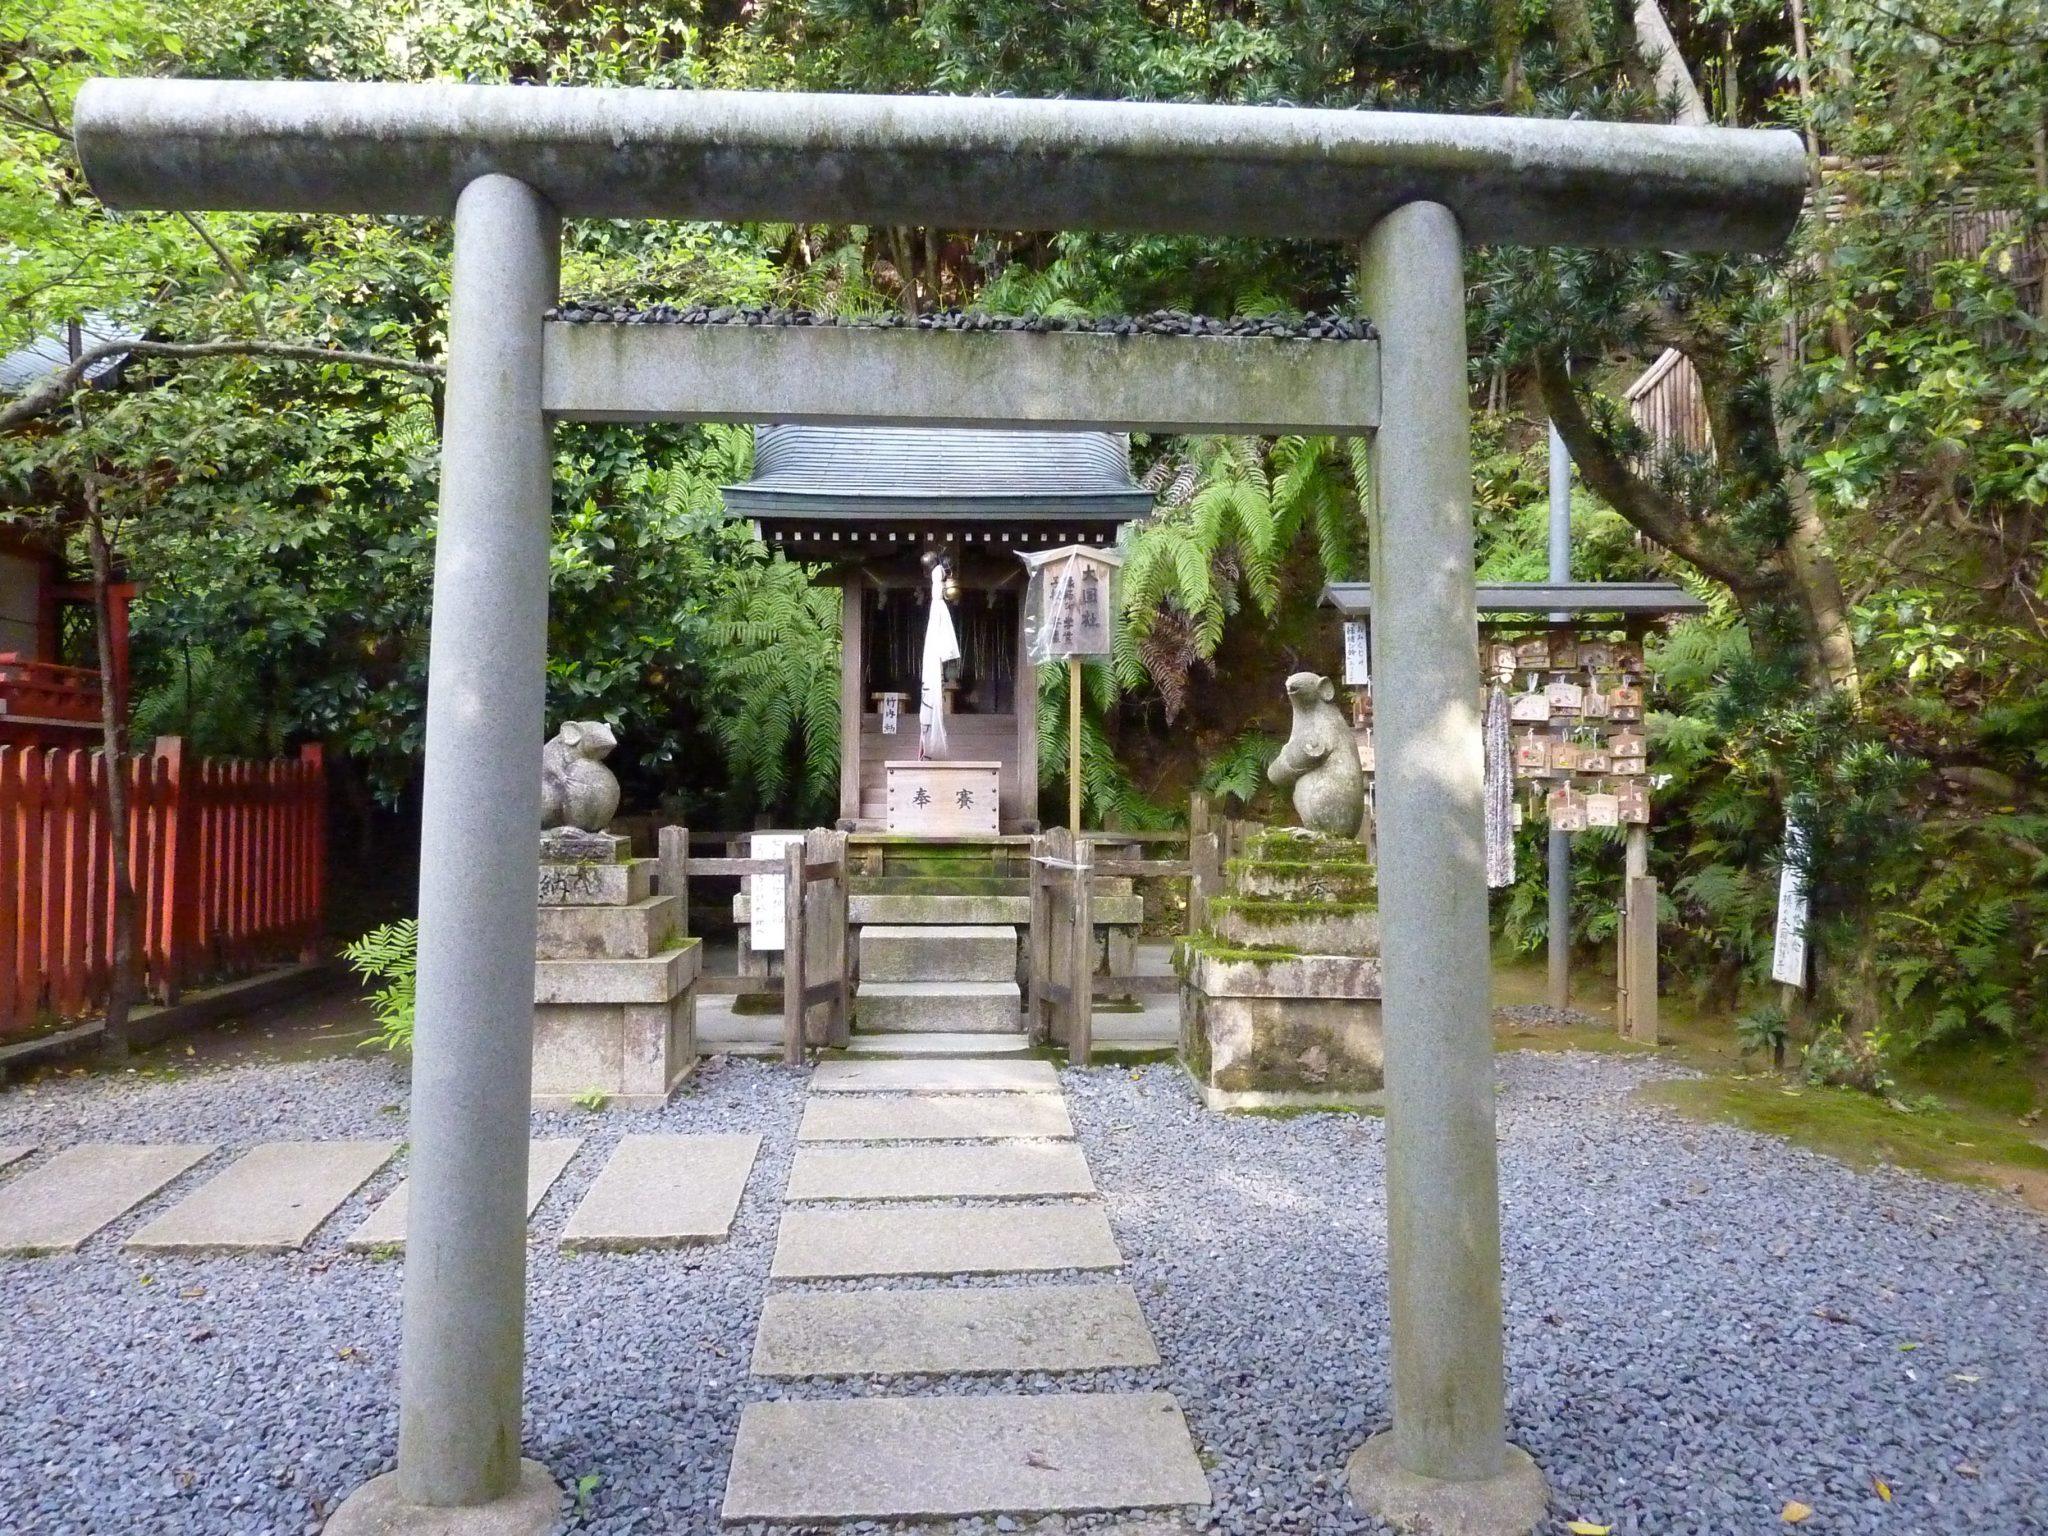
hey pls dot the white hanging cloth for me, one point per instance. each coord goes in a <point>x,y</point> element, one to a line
<point>1500,792</point>
<point>940,647</point>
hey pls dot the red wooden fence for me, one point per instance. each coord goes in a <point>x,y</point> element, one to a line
<point>228,860</point>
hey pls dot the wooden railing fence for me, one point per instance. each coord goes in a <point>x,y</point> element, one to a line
<point>227,858</point>
<point>817,993</point>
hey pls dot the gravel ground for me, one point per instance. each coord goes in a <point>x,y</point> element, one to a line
<point>1158,322</point>
<point>1702,1324</point>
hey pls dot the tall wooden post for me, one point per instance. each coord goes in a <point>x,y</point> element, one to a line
<point>1074,745</point>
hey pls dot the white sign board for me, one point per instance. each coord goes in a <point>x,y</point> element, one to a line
<point>1788,953</point>
<point>1357,653</point>
<point>764,892</point>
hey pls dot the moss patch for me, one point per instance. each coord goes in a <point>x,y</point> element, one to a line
<point>1210,947</point>
<point>1858,1129</point>
<point>1301,1111</point>
<point>1282,846</point>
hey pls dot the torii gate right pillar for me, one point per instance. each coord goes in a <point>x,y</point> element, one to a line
<point>1445,1465</point>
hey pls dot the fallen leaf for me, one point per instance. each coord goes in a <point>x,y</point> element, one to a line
<point>193,1292</point>
<point>1794,1512</point>
<point>1910,1344</point>
<point>1882,1488</point>
<point>1037,1459</point>
<point>1965,1376</point>
<point>1588,1528</point>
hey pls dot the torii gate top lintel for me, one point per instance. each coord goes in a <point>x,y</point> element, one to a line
<point>953,162</point>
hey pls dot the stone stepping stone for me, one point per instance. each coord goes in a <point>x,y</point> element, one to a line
<point>942,1240</point>
<point>663,1192</point>
<point>936,1075</point>
<point>13,1154</point>
<point>986,1329</point>
<point>385,1226</point>
<point>271,1200</point>
<point>937,1043</point>
<point>890,1458</point>
<point>1012,1172</point>
<point>938,1117</point>
<point>54,1208</point>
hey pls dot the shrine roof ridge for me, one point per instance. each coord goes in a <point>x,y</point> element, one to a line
<point>954,162</point>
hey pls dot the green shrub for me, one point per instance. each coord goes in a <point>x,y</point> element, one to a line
<point>391,955</point>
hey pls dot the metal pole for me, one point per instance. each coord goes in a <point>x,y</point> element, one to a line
<point>1559,941</point>
<point>1447,1448</point>
<point>464,1315</point>
<point>1074,745</point>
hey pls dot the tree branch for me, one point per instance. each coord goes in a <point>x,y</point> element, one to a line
<point>1630,495</point>
<point>56,390</point>
<point>220,254</point>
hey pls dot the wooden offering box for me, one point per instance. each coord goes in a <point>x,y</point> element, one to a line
<point>944,799</point>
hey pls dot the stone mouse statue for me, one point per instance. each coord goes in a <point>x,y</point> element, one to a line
<point>576,789</point>
<point>1320,760</point>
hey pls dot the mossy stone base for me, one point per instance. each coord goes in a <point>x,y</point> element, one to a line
<point>1275,1051</point>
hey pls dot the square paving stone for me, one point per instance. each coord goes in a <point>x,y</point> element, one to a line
<point>942,1240</point>
<point>995,1329</point>
<point>664,1192</point>
<point>1012,1171</point>
<point>269,1201</point>
<point>54,1208</point>
<point>935,1075</point>
<point>892,1458</point>
<point>936,1117</point>
<point>385,1226</point>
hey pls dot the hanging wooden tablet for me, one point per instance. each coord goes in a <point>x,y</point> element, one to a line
<point>1596,655</point>
<point>1532,754</point>
<point>1627,743</point>
<point>1602,809</point>
<point>1564,756</point>
<point>1625,701</point>
<point>1595,760</point>
<point>1529,707</point>
<point>1368,758</point>
<point>1500,661</point>
<point>1594,705</point>
<point>1564,698</point>
<point>1564,650</point>
<point>1567,810</point>
<point>1628,657</point>
<point>1533,653</point>
<point>1634,801</point>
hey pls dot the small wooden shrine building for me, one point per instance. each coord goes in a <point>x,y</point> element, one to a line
<point>876,507</point>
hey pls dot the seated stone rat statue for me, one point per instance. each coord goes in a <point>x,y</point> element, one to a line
<point>1320,760</point>
<point>576,789</point>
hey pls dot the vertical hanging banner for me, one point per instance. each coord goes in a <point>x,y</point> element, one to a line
<point>1357,653</point>
<point>1788,952</point>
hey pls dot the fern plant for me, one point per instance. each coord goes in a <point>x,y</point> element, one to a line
<point>776,679</point>
<point>389,955</point>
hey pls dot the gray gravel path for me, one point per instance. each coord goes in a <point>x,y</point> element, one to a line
<point>1702,1323</point>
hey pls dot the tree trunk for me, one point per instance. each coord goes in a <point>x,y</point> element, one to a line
<point>121,976</point>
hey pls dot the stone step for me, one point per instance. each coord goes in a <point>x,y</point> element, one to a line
<point>935,1117</point>
<point>56,1207</point>
<point>942,1240</point>
<point>985,1329</point>
<point>902,1458</point>
<point>1012,1171</point>
<point>385,1226</point>
<point>938,952</point>
<point>269,1201</point>
<point>949,1007</point>
<point>663,1192</point>
<point>950,911</point>
<point>937,1043</point>
<point>937,1075</point>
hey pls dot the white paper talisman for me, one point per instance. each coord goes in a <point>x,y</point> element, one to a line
<point>1788,953</point>
<point>764,892</point>
<point>1357,653</point>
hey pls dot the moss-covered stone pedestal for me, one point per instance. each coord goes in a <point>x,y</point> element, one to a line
<point>1280,994</point>
<point>614,983</point>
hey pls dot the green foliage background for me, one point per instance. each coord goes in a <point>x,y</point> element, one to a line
<point>279,515</point>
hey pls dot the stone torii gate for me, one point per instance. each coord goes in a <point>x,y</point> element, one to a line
<point>511,162</point>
